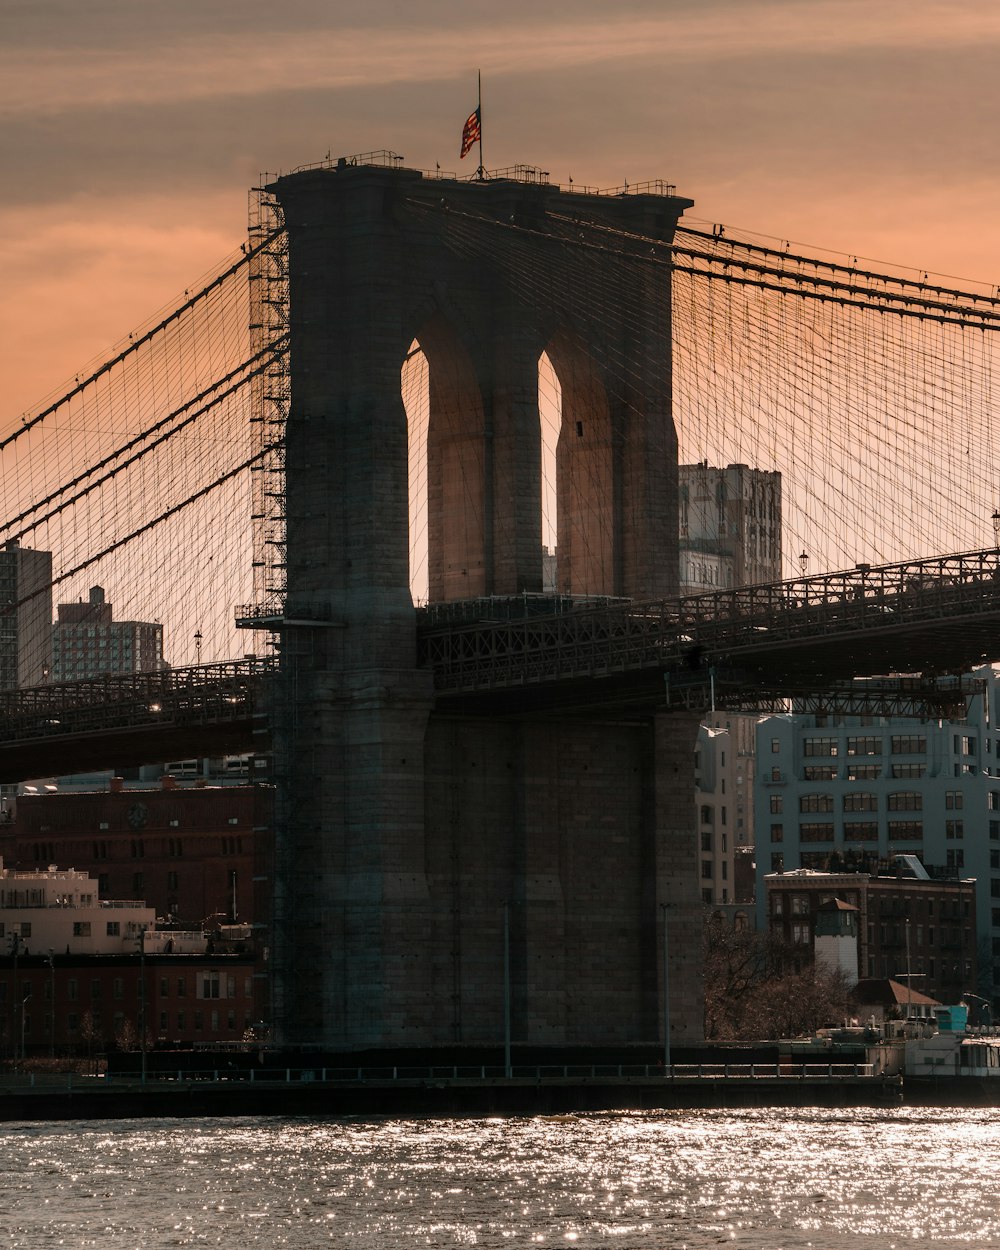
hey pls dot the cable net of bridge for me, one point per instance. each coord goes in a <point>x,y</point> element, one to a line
<point>870,394</point>
<point>142,478</point>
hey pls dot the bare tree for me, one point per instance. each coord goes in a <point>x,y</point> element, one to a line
<point>757,987</point>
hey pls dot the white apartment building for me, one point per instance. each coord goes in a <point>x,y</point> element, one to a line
<point>837,793</point>
<point>58,910</point>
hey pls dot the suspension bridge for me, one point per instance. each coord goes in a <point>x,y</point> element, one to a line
<point>342,457</point>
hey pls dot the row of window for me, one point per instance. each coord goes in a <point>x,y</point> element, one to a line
<point>45,852</point>
<point>899,744</point>
<point>208,983</point>
<point>866,801</point>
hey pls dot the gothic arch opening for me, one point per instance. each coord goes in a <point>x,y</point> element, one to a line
<point>447,467</point>
<point>585,473</point>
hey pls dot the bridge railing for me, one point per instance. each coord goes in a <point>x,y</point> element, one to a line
<point>616,636</point>
<point>194,693</point>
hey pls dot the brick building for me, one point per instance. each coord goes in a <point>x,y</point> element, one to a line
<point>925,928</point>
<point>191,854</point>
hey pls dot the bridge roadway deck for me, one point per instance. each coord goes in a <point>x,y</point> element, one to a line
<point>937,616</point>
<point>809,636</point>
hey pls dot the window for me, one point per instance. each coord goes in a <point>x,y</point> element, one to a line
<point>118,988</point>
<point>820,746</point>
<point>706,874</point>
<point>775,774</point>
<point>172,881</point>
<point>800,905</point>
<point>777,833</point>
<point>863,772</point>
<point>994,801</point>
<point>816,803</point>
<point>209,983</point>
<point>800,934</point>
<point>864,746</point>
<point>860,830</point>
<point>954,829</point>
<point>81,928</point>
<point>181,987</point>
<point>809,832</point>
<point>138,883</point>
<point>956,859</point>
<point>819,772</point>
<point>114,928</point>
<point>72,989</point>
<point>909,770</point>
<point>775,746</point>
<point>860,801</point>
<point>181,1021</point>
<point>706,841</point>
<point>777,862</point>
<point>953,800</point>
<point>908,744</point>
<point>777,804</point>
<point>905,801</point>
<point>906,830</point>
<point>706,814</point>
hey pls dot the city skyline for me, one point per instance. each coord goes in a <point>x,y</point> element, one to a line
<point>132,135</point>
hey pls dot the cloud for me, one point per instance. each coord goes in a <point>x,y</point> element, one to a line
<point>243,62</point>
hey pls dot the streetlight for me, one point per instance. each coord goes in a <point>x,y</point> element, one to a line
<point>666,992</point>
<point>506,989</point>
<point>141,939</point>
<point>996,528</point>
<point>15,947</point>
<point>24,1003</point>
<point>197,646</point>
<point>803,561</point>
<point>52,1004</point>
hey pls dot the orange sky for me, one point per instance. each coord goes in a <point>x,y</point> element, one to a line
<point>131,132</point>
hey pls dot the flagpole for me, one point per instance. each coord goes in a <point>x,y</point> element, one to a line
<point>479,92</point>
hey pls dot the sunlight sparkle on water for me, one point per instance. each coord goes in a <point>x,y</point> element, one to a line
<point>762,1179</point>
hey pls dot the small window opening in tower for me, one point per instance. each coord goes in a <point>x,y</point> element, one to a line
<point>550,419</point>
<point>414,387</point>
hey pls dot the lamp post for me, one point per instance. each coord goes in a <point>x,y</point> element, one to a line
<point>197,646</point>
<point>506,989</point>
<point>141,939</point>
<point>15,947</point>
<point>666,992</point>
<point>996,528</point>
<point>803,561</point>
<point>52,1004</point>
<point>24,1003</point>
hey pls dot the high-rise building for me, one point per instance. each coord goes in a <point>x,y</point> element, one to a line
<point>25,616</point>
<point>88,642</point>
<point>850,793</point>
<point>729,527</point>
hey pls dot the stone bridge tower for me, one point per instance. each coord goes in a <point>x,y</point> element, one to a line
<point>408,832</point>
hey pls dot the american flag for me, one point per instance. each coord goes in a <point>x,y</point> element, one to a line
<point>471,133</point>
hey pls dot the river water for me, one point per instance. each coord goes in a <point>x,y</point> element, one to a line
<point>769,1179</point>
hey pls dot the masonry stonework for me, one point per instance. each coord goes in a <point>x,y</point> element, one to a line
<point>406,836</point>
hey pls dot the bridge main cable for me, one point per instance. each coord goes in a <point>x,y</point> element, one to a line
<point>135,344</point>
